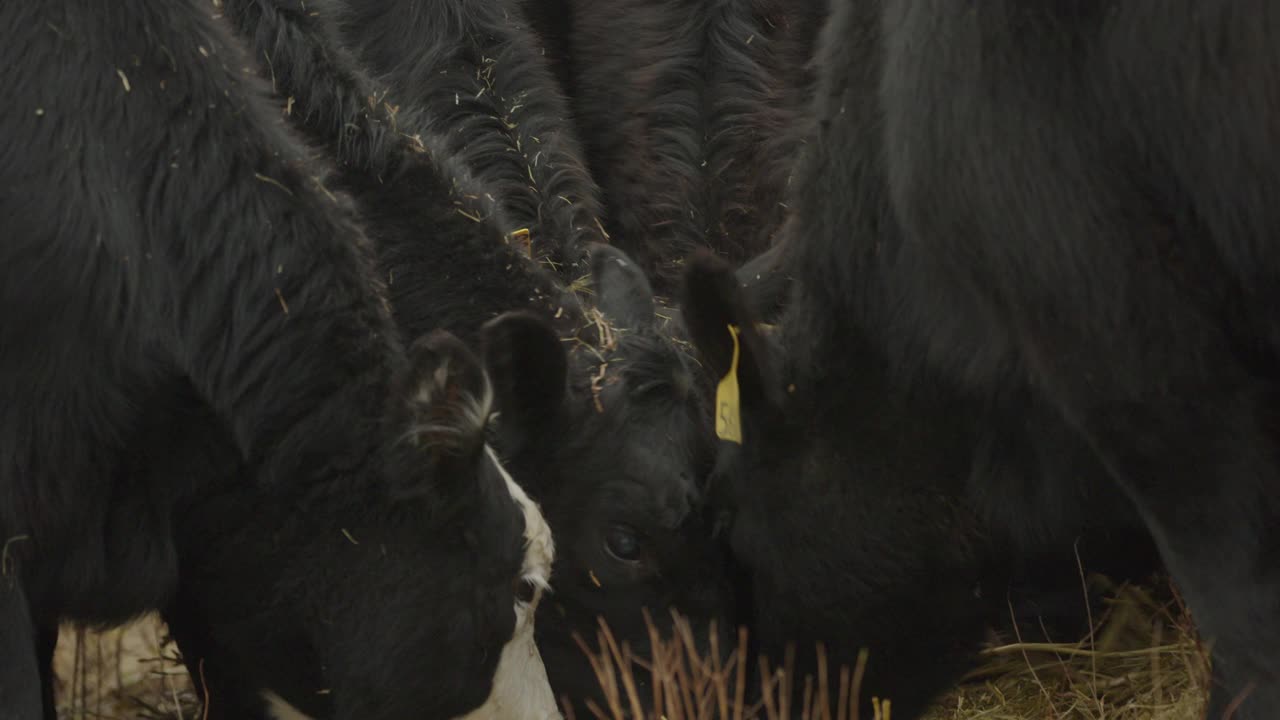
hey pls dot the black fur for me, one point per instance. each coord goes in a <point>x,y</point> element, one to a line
<point>889,558</point>
<point>618,451</point>
<point>470,76</point>
<point>617,456</point>
<point>453,270</point>
<point>552,23</point>
<point>766,280</point>
<point>173,252</point>
<point>25,692</point>
<point>263,635</point>
<point>1056,218</point>
<point>691,115</point>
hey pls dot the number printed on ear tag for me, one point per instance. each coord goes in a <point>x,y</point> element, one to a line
<point>728,406</point>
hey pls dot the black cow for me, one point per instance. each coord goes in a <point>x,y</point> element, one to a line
<point>257,644</point>
<point>691,115</point>
<point>1054,218</point>
<point>173,253</point>
<point>617,441</point>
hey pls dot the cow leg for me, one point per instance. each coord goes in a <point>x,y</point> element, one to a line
<point>20,676</point>
<point>212,676</point>
<point>1204,472</point>
<point>187,633</point>
<point>46,646</point>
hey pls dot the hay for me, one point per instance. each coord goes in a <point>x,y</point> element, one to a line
<point>128,672</point>
<point>1140,662</point>
<point>1144,662</point>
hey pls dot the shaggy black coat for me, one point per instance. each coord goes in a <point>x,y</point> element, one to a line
<point>470,78</point>
<point>692,116</point>
<point>173,253</point>
<point>1033,241</point>
<point>613,443</point>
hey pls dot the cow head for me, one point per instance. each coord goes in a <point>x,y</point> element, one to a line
<point>839,489</point>
<point>448,397</point>
<point>614,445</point>
<point>404,585</point>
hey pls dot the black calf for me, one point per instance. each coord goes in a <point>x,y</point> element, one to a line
<point>174,250</point>
<point>253,645</point>
<point>1057,235</point>
<point>613,440</point>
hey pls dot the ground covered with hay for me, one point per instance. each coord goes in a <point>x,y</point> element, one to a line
<point>1141,661</point>
<point>128,672</point>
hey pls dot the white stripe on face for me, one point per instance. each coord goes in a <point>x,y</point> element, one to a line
<point>521,690</point>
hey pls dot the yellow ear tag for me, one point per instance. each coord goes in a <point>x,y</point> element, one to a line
<point>728,407</point>
<point>526,242</point>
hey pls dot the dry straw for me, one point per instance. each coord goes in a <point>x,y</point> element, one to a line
<point>1140,661</point>
<point>130,672</point>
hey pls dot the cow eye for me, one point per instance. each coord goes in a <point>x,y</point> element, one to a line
<point>523,590</point>
<point>622,544</point>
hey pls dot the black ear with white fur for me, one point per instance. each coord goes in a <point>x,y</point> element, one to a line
<point>714,303</point>
<point>623,293</point>
<point>530,372</point>
<point>447,397</point>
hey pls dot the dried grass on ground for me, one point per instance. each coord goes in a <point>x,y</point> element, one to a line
<point>1141,662</point>
<point>125,673</point>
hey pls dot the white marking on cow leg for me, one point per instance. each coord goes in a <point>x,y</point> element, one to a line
<point>278,709</point>
<point>521,690</point>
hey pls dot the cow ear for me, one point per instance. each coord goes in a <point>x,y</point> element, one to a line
<point>765,282</point>
<point>447,397</point>
<point>623,293</point>
<point>530,373</point>
<point>725,332</point>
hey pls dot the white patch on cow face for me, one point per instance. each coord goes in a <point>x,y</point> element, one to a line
<point>539,547</point>
<point>521,690</point>
<point>278,709</point>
